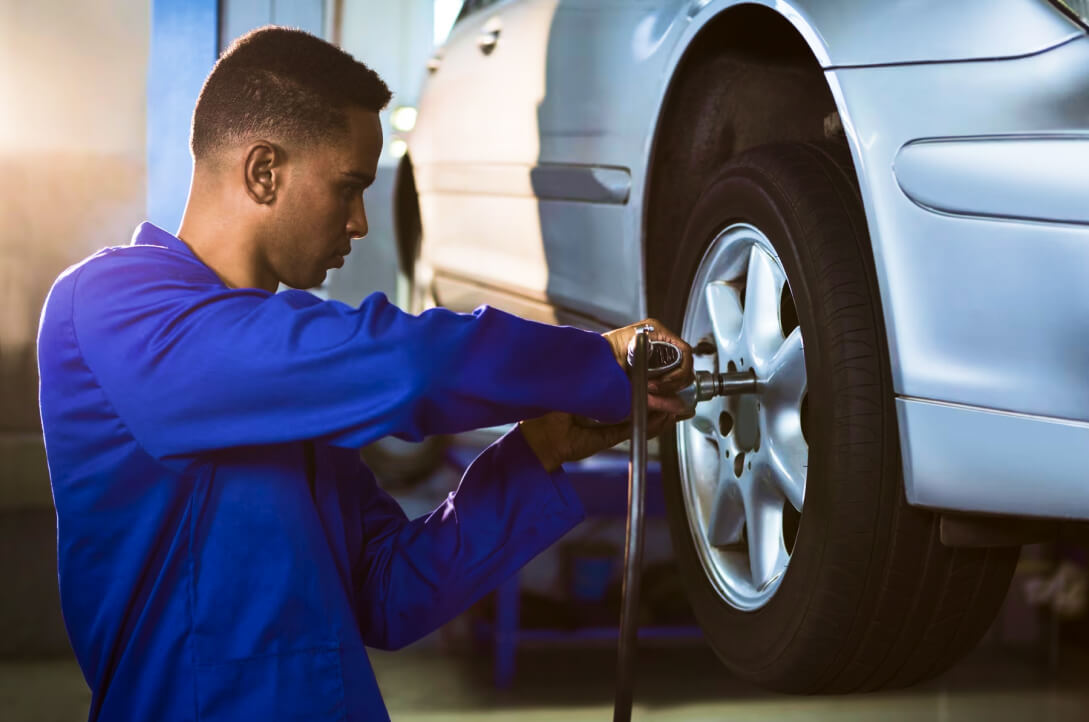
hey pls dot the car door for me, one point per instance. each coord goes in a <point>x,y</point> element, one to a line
<point>604,64</point>
<point>530,128</point>
<point>473,149</point>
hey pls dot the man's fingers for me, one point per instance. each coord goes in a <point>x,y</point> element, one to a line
<point>659,422</point>
<point>676,379</point>
<point>667,404</point>
<point>593,440</point>
<point>679,377</point>
<point>587,441</point>
<point>683,375</point>
<point>609,435</point>
<point>615,434</point>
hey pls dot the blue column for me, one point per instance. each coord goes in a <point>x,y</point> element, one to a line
<point>183,48</point>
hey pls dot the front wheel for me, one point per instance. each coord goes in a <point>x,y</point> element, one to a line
<point>805,566</point>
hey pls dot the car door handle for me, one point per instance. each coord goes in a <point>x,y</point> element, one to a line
<point>489,37</point>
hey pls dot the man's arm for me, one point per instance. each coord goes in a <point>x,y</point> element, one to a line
<point>191,365</point>
<point>413,576</point>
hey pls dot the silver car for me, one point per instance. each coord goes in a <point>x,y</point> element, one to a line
<point>878,209</point>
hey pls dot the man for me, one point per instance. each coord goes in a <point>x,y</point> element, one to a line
<point>223,553</point>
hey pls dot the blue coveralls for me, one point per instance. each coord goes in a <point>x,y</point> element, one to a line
<point>201,577</point>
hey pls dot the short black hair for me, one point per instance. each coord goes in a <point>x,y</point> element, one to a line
<point>281,83</point>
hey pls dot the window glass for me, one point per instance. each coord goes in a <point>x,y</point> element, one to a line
<point>446,13</point>
<point>472,6</point>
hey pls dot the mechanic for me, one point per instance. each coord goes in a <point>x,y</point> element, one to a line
<point>223,553</point>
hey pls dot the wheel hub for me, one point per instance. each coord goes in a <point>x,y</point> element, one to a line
<point>743,459</point>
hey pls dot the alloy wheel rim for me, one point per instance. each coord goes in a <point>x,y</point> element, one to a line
<point>743,459</point>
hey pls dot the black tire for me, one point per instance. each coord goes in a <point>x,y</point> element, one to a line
<point>871,599</point>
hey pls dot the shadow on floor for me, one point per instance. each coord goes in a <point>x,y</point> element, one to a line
<point>673,683</point>
<point>690,683</point>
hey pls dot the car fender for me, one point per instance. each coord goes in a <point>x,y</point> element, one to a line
<point>854,32</point>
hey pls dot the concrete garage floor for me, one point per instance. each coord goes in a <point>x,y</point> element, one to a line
<point>674,683</point>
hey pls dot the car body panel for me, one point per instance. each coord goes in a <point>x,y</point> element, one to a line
<point>981,460</point>
<point>858,32</point>
<point>984,299</point>
<point>537,194</point>
<point>987,312</point>
<point>487,99</point>
<point>1024,178</point>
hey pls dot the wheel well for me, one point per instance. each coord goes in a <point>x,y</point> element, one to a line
<point>407,225</point>
<point>747,79</point>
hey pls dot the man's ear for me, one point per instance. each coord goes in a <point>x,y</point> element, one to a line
<point>264,161</point>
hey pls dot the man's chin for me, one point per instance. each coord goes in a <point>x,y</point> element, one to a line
<point>320,279</point>
<point>304,284</point>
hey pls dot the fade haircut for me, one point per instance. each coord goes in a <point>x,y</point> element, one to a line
<point>281,83</point>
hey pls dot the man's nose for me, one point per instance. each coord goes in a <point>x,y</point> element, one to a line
<point>357,221</point>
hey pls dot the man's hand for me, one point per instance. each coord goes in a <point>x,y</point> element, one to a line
<point>556,439</point>
<point>662,390</point>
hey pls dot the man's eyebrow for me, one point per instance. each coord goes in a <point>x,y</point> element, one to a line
<point>365,178</point>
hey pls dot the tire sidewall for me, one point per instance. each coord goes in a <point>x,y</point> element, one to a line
<point>757,644</point>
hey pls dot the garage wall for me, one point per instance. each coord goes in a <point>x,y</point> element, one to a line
<point>238,17</point>
<point>71,160</point>
<point>72,177</point>
<point>396,39</point>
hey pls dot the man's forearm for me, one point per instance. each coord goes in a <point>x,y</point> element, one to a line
<point>506,510</point>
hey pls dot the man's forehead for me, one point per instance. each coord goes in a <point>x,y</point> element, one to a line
<point>364,124</point>
<point>364,139</point>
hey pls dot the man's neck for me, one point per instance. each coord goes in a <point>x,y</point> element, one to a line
<point>211,230</point>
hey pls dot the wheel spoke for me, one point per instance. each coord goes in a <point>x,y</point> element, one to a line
<point>706,418</point>
<point>787,462</point>
<point>703,465</point>
<point>788,453</point>
<point>786,380</point>
<point>727,514</point>
<point>764,529</point>
<point>724,308</point>
<point>762,293</point>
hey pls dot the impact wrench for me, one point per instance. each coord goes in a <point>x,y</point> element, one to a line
<point>650,359</point>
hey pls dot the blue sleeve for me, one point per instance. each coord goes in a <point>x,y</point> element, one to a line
<point>191,365</point>
<point>411,577</point>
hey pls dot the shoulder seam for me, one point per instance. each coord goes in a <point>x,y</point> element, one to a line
<point>94,377</point>
<point>141,249</point>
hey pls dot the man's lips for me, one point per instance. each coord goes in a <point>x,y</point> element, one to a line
<point>338,256</point>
